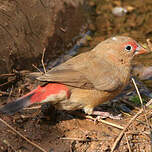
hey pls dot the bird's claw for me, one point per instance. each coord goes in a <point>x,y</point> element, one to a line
<point>103,115</point>
<point>117,117</point>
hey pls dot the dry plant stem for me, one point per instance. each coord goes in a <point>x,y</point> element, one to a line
<point>127,143</point>
<point>129,123</point>
<point>6,83</point>
<point>81,139</point>
<point>106,122</point>
<point>11,91</point>
<point>18,133</point>
<point>34,107</point>
<point>9,74</point>
<point>37,68</point>
<point>137,91</point>
<point>148,124</point>
<point>42,60</point>
<point>4,93</point>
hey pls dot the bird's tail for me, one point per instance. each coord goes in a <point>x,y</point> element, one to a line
<point>15,106</point>
<point>51,92</point>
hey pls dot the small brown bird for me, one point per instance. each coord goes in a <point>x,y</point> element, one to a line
<point>87,80</point>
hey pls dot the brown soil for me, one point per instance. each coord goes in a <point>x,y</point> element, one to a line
<point>59,131</point>
<point>28,27</point>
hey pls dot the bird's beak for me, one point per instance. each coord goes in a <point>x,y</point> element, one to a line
<point>140,50</point>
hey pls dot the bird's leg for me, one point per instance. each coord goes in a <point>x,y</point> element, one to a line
<point>102,115</point>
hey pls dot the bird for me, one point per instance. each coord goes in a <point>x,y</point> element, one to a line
<point>86,80</point>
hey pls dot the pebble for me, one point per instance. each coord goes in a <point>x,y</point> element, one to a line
<point>119,11</point>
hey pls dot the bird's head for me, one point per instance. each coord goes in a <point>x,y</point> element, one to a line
<point>129,46</point>
<point>121,48</point>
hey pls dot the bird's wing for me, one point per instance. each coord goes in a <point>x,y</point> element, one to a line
<point>67,76</point>
<point>107,78</point>
<point>95,75</point>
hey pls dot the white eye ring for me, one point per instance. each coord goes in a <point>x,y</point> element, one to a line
<point>128,48</point>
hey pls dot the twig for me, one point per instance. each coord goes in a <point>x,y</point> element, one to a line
<point>42,3</point>
<point>37,68</point>
<point>62,29</point>
<point>6,83</point>
<point>7,74</point>
<point>148,124</point>
<point>11,91</point>
<point>127,143</point>
<point>106,122</point>
<point>32,108</point>
<point>129,123</point>
<point>32,143</point>
<point>42,60</point>
<point>137,91</point>
<point>31,116</point>
<point>5,93</point>
<point>141,101</point>
<point>81,139</point>
<point>8,94</point>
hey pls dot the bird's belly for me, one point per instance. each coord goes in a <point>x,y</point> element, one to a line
<point>81,98</point>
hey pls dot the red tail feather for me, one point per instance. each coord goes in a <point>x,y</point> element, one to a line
<point>49,92</point>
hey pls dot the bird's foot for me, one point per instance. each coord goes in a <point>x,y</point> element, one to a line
<point>103,115</point>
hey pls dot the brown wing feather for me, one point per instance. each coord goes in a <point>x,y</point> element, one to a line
<point>85,72</point>
<point>105,76</point>
<point>68,77</point>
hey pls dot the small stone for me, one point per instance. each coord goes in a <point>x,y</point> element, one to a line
<point>119,11</point>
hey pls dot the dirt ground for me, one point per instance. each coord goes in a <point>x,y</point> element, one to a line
<point>59,131</point>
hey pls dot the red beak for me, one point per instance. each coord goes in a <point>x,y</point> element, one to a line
<point>140,50</point>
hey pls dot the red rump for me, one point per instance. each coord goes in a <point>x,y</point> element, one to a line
<point>41,93</point>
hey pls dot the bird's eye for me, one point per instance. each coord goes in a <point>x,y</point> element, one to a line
<point>128,48</point>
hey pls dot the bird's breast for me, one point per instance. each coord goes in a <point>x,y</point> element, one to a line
<point>125,76</point>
